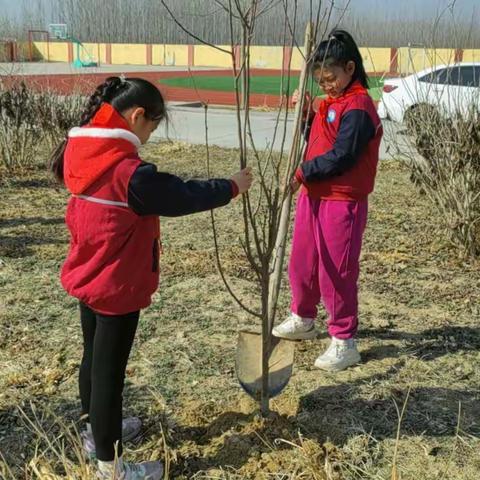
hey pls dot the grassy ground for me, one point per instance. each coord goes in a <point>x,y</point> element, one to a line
<point>419,339</point>
<point>264,84</point>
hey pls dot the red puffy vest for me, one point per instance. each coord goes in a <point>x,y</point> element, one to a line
<point>113,259</point>
<point>358,182</point>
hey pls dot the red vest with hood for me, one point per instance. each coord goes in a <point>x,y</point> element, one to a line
<point>358,182</point>
<point>113,261</point>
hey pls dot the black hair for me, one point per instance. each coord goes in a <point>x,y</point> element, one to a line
<point>339,49</point>
<point>121,94</point>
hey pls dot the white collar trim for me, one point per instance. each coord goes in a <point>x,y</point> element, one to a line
<point>79,132</point>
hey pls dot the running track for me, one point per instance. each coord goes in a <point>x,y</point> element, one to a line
<point>86,83</point>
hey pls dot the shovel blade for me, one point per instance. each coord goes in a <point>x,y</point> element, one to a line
<point>249,364</point>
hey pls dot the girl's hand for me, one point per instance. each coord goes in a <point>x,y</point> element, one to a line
<point>294,185</point>
<point>296,99</point>
<point>243,179</point>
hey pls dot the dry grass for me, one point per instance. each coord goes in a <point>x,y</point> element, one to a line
<point>420,334</point>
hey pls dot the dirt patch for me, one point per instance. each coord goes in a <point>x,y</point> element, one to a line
<point>419,340</point>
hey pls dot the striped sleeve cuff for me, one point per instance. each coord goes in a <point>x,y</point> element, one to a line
<point>235,189</point>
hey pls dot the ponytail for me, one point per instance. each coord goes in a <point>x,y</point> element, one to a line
<point>339,49</point>
<point>122,94</point>
<point>56,160</point>
<point>104,93</point>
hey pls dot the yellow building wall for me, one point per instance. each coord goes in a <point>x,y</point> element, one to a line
<point>22,49</point>
<point>411,60</point>
<point>158,54</point>
<point>471,55</point>
<point>173,55</point>
<point>266,57</point>
<point>96,52</point>
<point>129,54</point>
<point>297,59</point>
<point>58,51</point>
<point>169,55</point>
<point>376,59</point>
<point>211,57</point>
<point>40,50</point>
<point>176,55</point>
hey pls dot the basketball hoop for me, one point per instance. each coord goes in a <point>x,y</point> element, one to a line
<point>58,31</point>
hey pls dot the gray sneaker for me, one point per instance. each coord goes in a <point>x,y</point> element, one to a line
<point>340,355</point>
<point>131,427</point>
<point>120,470</point>
<point>296,328</point>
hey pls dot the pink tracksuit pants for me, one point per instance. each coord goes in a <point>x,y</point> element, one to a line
<point>324,263</point>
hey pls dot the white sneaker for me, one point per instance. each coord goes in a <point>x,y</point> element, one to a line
<point>296,328</point>
<point>339,355</point>
<point>131,427</point>
<point>120,470</point>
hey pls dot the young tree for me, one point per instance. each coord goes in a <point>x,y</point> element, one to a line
<point>265,215</point>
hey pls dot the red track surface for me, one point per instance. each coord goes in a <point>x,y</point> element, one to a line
<point>86,83</point>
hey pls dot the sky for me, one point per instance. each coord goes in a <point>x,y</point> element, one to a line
<point>417,8</point>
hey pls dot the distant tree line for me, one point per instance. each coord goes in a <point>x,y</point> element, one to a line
<point>147,21</point>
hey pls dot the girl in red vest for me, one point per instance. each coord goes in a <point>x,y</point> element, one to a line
<point>336,177</point>
<point>112,263</point>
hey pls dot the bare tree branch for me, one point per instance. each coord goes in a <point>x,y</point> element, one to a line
<point>215,235</point>
<point>188,32</point>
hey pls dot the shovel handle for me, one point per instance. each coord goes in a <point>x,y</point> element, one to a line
<point>293,157</point>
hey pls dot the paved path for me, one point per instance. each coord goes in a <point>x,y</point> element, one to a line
<point>187,124</point>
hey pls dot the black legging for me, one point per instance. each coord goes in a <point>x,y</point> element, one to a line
<point>107,341</point>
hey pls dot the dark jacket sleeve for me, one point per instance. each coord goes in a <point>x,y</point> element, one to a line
<point>156,193</point>
<point>355,131</point>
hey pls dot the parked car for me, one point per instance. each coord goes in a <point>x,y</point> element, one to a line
<point>445,90</point>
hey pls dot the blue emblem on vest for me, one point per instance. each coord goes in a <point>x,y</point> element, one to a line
<point>332,114</point>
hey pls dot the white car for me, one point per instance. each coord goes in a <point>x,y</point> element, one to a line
<point>446,89</point>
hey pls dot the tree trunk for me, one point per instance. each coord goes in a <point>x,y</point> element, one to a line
<point>280,244</point>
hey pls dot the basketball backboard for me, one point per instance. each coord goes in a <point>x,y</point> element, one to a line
<point>58,31</point>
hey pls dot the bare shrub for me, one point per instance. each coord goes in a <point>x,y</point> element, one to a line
<point>446,166</point>
<point>57,115</point>
<point>20,137</point>
<point>32,123</point>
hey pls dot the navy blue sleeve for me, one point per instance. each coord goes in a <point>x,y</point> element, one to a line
<point>157,193</point>
<point>355,131</point>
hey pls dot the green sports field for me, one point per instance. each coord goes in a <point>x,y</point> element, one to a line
<point>263,85</point>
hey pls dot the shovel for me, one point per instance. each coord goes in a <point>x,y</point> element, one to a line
<point>249,364</point>
<point>264,363</point>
